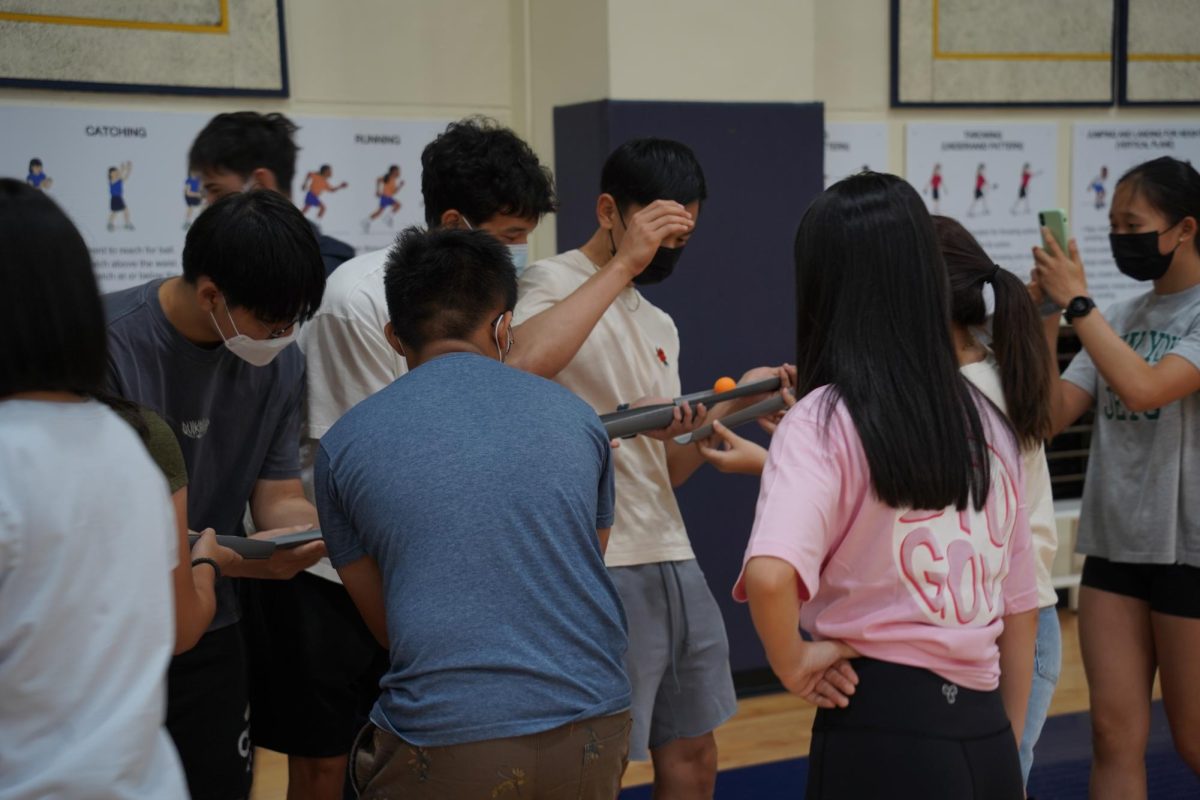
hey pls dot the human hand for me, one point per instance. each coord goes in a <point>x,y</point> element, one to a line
<point>206,547</point>
<point>787,379</point>
<point>1059,275</point>
<point>284,563</point>
<point>771,423</point>
<point>646,231</point>
<point>686,418</point>
<point>729,452</point>
<point>822,674</point>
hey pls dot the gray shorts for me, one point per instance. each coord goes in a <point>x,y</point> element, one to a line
<point>678,659</point>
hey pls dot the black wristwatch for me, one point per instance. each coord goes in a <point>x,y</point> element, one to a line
<point>1079,307</point>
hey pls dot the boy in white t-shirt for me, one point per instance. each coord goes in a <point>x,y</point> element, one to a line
<point>678,660</point>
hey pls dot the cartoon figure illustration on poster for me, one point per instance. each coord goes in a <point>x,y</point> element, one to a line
<point>116,195</point>
<point>1027,174</point>
<point>936,188</point>
<point>193,197</point>
<point>1097,188</point>
<point>37,177</point>
<point>981,191</point>
<point>316,184</point>
<point>387,186</point>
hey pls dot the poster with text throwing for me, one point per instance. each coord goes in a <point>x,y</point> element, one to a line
<point>852,147</point>
<point>1101,154</point>
<point>994,179</point>
<point>122,177</point>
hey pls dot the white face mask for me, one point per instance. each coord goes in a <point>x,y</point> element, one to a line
<point>520,257</point>
<point>258,352</point>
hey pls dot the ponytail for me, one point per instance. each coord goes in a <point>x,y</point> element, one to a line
<point>1017,337</point>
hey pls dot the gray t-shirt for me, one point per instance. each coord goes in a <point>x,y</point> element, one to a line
<point>236,423</point>
<point>1136,504</point>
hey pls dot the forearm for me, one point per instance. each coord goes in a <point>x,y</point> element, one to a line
<point>1121,367</point>
<point>545,343</point>
<point>283,512</point>
<point>1017,645</point>
<point>195,613</point>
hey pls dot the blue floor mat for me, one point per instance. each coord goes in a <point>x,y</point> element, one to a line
<point>1060,770</point>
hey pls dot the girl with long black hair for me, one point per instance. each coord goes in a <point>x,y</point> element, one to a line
<point>891,521</point>
<point>1139,608</point>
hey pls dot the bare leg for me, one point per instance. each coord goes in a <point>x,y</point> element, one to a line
<point>685,769</point>
<point>1177,642</point>
<point>1118,657</point>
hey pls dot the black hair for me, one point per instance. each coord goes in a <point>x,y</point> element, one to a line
<point>644,170</point>
<point>445,282</point>
<point>261,253</point>
<point>481,169</point>
<point>873,323</point>
<point>1171,186</point>
<point>1017,337</point>
<point>325,167</point>
<point>34,162</point>
<point>243,141</point>
<point>53,326</point>
<point>111,170</point>
<point>390,169</point>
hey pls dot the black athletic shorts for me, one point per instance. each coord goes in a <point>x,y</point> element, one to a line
<point>314,665</point>
<point>116,203</point>
<point>1168,588</point>
<point>208,716</point>
<point>909,733</point>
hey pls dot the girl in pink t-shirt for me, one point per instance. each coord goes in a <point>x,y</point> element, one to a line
<point>891,521</point>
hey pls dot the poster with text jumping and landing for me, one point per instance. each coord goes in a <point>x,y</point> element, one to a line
<point>853,147</point>
<point>994,179</point>
<point>122,177</point>
<point>1101,154</point>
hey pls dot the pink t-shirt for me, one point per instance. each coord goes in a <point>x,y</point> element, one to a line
<point>921,588</point>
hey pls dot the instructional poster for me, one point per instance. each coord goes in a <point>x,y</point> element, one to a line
<point>994,179</point>
<point>1101,155</point>
<point>122,178</point>
<point>852,147</point>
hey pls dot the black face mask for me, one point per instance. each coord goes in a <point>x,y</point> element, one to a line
<point>1137,255</point>
<point>660,267</point>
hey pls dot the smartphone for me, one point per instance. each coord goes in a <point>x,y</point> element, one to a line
<point>290,540</point>
<point>1054,219</point>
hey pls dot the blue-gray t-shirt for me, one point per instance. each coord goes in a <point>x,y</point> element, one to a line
<point>478,490</point>
<point>236,423</point>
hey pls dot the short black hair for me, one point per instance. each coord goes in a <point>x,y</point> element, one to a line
<point>261,252</point>
<point>644,170</point>
<point>1170,186</point>
<point>482,169</point>
<point>445,282</point>
<point>53,327</point>
<point>243,141</point>
<point>34,162</point>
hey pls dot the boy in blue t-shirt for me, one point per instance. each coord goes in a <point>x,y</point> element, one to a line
<point>193,196</point>
<point>37,177</point>
<point>466,509</point>
<point>116,194</point>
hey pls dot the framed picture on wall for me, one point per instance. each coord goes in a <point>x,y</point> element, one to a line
<point>217,47</point>
<point>1002,53</point>
<point>1158,53</point>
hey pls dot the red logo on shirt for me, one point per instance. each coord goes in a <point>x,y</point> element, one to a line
<point>662,356</point>
<point>954,564</point>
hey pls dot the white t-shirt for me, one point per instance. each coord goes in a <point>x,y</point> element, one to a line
<point>1038,497</point>
<point>633,352</point>
<point>87,545</point>
<point>347,357</point>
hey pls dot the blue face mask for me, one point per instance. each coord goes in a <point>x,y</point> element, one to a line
<point>520,257</point>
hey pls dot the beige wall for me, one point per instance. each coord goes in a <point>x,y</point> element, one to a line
<point>517,59</point>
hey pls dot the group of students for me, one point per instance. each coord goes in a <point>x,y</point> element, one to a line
<point>504,602</point>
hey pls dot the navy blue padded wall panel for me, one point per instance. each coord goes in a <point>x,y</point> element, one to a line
<point>733,293</point>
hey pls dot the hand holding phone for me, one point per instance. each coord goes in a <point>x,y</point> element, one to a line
<point>1055,220</point>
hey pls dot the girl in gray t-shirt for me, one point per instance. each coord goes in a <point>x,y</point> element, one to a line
<point>1139,608</point>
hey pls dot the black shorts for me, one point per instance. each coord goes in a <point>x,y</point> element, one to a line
<point>935,193</point>
<point>116,203</point>
<point>208,716</point>
<point>979,194</point>
<point>1021,193</point>
<point>909,733</point>
<point>191,201</point>
<point>1168,588</point>
<point>314,665</point>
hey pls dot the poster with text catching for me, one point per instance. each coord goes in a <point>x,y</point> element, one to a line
<point>1101,154</point>
<point>853,147</point>
<point>122,177</point>
<point>994,179</point>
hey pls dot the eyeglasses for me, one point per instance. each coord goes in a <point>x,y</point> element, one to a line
<point>277,333</point>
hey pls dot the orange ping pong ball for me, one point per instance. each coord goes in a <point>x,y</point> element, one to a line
<point>725,384</point>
